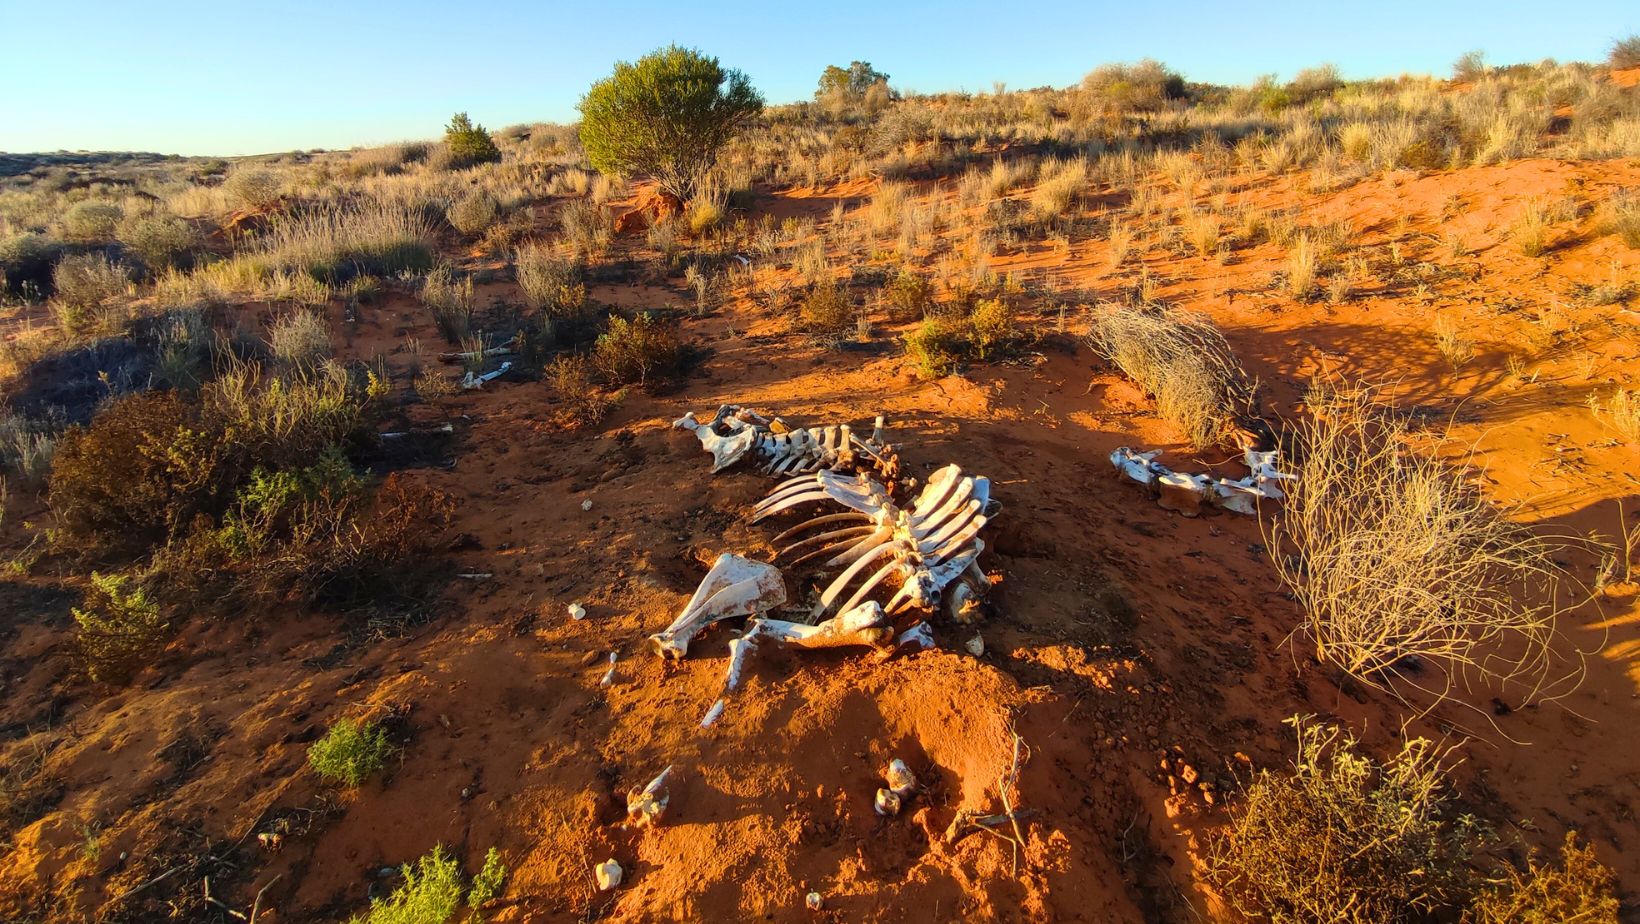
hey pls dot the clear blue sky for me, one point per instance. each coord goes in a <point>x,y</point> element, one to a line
<point>243,77</point>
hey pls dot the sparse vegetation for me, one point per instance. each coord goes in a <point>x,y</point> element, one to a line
<point>1581,890</point>
<point>433,890</point>
<point>550,283</point>
<point>119,631</point>
<point>1621,409</point>
<point>638,352</point>
<point>451,302</point>
<point>468,144</point>
<point>350,752</point>
<point>1531,229</point>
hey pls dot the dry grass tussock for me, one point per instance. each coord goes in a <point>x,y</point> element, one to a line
<point>1180,359</point>
<point>1400,564</point>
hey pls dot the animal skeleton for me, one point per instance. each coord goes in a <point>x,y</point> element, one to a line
<point>735,433</point>
<point>735,586</point>
<point>924,548</point>
<point>1185,492</point>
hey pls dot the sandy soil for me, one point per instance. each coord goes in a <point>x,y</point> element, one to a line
<point>1130,649</point>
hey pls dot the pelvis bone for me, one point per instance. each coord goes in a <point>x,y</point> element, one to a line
<point>735,433</point>
<point>734,587</point>
<point>919,550</point>
<point>1185,492</point>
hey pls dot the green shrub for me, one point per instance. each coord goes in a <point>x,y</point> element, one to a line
<point>1343,839</point>
<point>432,891</point>
<point>991,328</point>
<point>827,310</point>
<point>253,187</point>
<point>909,295</point>
<point>26,263</point>
<point>473,212</point>
<point>350,752</point>
<point>468,144</point>
<point>159,240</point>
<point>91,222</point>
<point>667,115</point>
<point>637,352</point>
<point>932,349</point>
<point>1581,890</point>
<point>119,631</point>
<point>580,402</point>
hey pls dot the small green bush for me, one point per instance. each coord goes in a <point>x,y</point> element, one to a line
<point>468,144</point>
<point>119,631</point>
<point>932,348</point>
<point>432,891</point>
<point>84,283</point>
<point>909,295</point>
<point>159,240</point>
<point>350,752</point>
<point>991,328</point>
<point>91,222</point>
<point>667,115</point>
<point>637,352</point>
<point>473,212</point>
<point>827,310</point>
<point>489,882</point>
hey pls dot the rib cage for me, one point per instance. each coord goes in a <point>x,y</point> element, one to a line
<point>921,549</point>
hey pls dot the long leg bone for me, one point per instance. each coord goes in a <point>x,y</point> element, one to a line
<point>735,586</point>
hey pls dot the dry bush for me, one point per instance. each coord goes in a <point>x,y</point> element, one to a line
<point>1622,408</point>
<point>588,227</point>
<point>253,187</point>
<point>26,264</point>
<point>159,240</point>
<point>119,631</point>
<point>1625,53</point>
<point>1620,216</point>
<point>1344,839</point>
<point>551,284</point>
<point>909,296</point>
<point>84,284</point>
<point>473,212</point>
<point>581,403</point>
<point>1181,360</point>
<point>827,310</point>
<point>1202,230</point>
<point>1581,890</point>
<point>1531,229</point>
<point>25,449</point>
<point>299,340</point>
<point>638,352</point>
<point>451,302</point>
<point>1143,86</point>
<point>91,222</point>
<point>1454,345</point>
<point>1303,266</point>
<point>886,210</point>
<point>1395,555</point>
<point>1059,183</point>
<point>341,243</point>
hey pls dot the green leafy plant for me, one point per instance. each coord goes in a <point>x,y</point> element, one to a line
<point>667,115</point>
<point>487,885</point>
<point>469,144</point>
<point>350,752</point>
<point>119,631</point>
<point>638,351</point>
<point>433,889</point>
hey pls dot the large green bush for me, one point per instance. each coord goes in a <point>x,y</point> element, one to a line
<point>668,115</point>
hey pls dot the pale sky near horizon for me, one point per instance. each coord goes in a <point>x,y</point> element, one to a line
<point>230,78</point>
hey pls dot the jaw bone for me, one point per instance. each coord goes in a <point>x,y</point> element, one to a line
<point>735,433</point>
<point>735,586</point>
<point>917,551</point>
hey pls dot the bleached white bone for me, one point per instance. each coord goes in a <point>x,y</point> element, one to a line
<point>735,586</point>
<point>479,381</point>
<point>781,450</point>
<point>901,781</point>
<point>919,637</point>
<point>865,624</point>
<point>645,807</point>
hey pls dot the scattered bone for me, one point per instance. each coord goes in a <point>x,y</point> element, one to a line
<point>735,433</point>
<point>472,381</point>
<point>921,549</point>
<point>976,646</point>
<point>1185,493</point>
<point>814,901</point>
<point>919,637</point>
<point>714,713</point>
<point>645,807</point>
<point>887,802</point>
<point>503,350</point>
<point>475,575</point>
<point>735,586</point>
<point>586,505</point>
<point>608,680</point>
<point>608,874</point>
<point>400,434</point>
<point>968,821</point>
<point>866,625</point>
<point>577,612</point>
<point>901,781</point>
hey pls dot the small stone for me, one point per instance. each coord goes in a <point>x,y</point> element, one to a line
<point>814,901</point>
<point>1189,773</point>
<point>975,646</point>
<point>608,874</point>
<point>585,506</point>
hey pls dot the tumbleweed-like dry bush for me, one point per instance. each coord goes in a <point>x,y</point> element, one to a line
<point>1398,561</point>
<point>1183,361</point>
